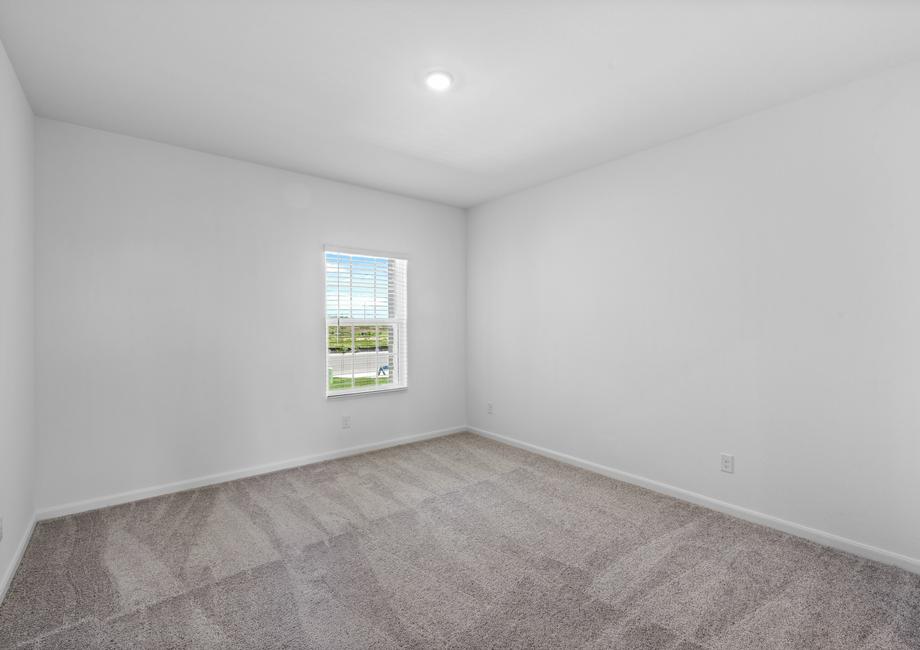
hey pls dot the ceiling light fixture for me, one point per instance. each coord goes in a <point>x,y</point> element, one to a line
<point>439,81</point>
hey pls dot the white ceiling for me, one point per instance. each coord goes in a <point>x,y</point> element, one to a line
<point>334,88</point>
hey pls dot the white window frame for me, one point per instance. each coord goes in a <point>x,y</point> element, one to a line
<point>398,340</point>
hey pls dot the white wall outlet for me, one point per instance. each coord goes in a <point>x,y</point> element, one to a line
<point>489,408</point>
<point>346,421</point>
<point>728,463</point>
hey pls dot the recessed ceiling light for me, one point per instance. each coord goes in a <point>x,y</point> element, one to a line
<point>439,81</point>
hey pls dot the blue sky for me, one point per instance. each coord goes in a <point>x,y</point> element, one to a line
<point>356,286</point>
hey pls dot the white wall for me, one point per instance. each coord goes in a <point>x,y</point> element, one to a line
<point>752,289</point>
<point>180,314</point>
<point>17,441</point>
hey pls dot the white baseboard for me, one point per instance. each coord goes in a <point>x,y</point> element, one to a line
<point>813,534</point>
<point>799,530</point>
<point>7,578</point>
<point>223,477</point>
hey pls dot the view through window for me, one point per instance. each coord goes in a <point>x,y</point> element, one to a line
<point>366,327</point>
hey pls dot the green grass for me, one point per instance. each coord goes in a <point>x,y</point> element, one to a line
<point>366,338</point>
<point>341,383</point>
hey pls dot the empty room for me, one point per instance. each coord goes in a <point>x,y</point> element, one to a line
<point>339,324</point>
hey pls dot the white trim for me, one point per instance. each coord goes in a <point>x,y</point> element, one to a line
<point>7,579</point>
<point>370,390</point>
<point>364,252</point>
<point>336,322</point>
<point>223,477</point>
<point>813,534</point>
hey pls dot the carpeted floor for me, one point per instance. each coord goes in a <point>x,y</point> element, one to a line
<point>455,542</point>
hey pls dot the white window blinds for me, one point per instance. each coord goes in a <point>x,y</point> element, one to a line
<point>366,328</point>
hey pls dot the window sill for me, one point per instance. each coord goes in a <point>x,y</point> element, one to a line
<point>362,393</point>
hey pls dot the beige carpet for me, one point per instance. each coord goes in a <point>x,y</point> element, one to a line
<point>456,542</point>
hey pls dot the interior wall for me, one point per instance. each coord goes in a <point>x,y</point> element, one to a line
<point>181,314</point>
<point>752,289</point>
<point>17,440</point>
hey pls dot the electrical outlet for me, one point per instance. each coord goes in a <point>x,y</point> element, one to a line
<point>346,421</point>
<point>489,408</point>
<point>1,529</point>
<point>728,463</point>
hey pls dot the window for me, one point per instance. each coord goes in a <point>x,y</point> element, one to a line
<point>365,322</point>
